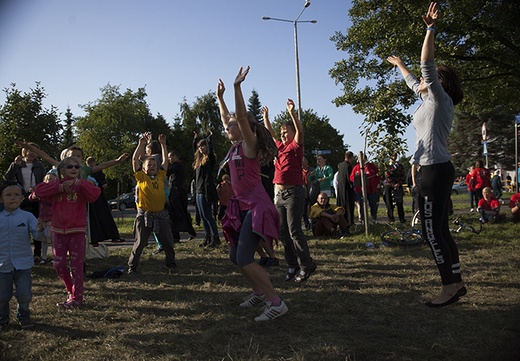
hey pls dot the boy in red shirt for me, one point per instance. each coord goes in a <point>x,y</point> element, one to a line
<point>488,206</point>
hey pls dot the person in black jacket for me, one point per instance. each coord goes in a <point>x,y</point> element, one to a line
<point>205,189</point>
<point>28,172</point>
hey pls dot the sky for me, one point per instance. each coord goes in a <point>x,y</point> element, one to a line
<point>176,49</point>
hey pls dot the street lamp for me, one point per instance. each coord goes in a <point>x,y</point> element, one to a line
<point>295,24</point>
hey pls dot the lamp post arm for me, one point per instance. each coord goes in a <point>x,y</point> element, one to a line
<point>297,61</point>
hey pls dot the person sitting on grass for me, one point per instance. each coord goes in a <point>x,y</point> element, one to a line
<point>16,258</point>
<point>326,218</point>
<point>489,207</point>
<point>514,205</point>
<point>152,215</point>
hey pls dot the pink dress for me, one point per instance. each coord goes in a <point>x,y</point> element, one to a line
<point>249,195</point>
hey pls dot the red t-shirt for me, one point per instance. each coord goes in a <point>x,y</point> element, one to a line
<point>482,178</point>
<point>514,198</point>
<point>489,206</point>
<point>288,164</point>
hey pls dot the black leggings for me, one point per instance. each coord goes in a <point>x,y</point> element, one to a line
<point>434,200</point>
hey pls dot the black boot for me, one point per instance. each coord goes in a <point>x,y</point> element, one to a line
<point>215,242</point>
<point>207,241</point>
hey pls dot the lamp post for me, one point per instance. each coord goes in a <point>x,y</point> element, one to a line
<point>297,61</point>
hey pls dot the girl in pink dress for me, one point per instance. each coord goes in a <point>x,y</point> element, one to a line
<point>250,214</point>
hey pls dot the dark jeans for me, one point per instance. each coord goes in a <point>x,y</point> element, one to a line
<point>290,204</point>
<point>206,215</point>
<point>22,280</point>
<point>473,202</point>
<point>389,201</point>
<point>373,204</point>
<point>434,199</point>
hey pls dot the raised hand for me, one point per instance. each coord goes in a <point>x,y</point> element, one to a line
<point>241,76</point>
<point>290,105</point>
<point>431,16</point>
<point>265,112</point>
<point>162,138</point>
<point>394,60</point>
<point>220,88</point>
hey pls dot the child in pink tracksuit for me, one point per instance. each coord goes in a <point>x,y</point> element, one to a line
<point>69,195</point>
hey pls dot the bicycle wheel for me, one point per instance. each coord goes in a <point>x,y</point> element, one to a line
<point>416,220</point>
<point>391,237</point>
<point>411,238</point>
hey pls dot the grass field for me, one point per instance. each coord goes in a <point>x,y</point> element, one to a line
<point>361,304</point>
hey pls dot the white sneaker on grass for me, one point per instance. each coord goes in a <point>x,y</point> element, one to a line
<point>252,300</point>
<point>271,312</point>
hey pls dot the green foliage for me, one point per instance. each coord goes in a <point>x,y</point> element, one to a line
<point>465,142</point>
<point>318,135</point>
<point>23,117</point>
<point>68,132</point>
<point>112,126</point>
<point>254,107</point>
<point>478,39</point>
<point>202,117</point>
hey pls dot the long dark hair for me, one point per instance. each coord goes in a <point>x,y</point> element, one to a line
<point>199,157</point>
<point>451,83</point>
<point>265,145</point>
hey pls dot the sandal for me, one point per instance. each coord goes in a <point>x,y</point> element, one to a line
<point>304,275</point>
<point>290,275</point>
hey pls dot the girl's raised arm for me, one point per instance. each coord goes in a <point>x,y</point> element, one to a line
<point>249,137</point>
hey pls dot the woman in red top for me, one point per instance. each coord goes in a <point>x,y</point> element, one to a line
<point>481,178</point>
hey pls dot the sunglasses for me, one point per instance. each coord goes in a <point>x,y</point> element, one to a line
<point>70,166</point>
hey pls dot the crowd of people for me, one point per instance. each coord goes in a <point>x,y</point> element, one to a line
<point>267,189</point>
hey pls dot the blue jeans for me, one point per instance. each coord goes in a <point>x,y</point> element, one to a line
<point>22,279</point>
<point>373,204</point>
<point>206,215</point>
<point>290,204</point>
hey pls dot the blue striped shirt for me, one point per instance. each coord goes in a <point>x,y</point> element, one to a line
<point>15,243</point>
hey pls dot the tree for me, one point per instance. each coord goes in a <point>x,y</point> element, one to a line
<point>479,39</point>
<point>23,117</point>
<point>203,117</point>
<point>318,135</point>
<point>68,132</point>
<point>112,125</point>
<point>465,142</point>
<point>254,107</point>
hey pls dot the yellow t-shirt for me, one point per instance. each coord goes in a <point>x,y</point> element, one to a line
<point>150,191</point>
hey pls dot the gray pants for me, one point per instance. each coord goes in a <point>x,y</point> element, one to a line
<point>142,234</point>
<point>290,204</point>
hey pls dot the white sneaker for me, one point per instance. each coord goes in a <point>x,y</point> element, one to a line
<point>271,312</point>
<point>472,210</point>
<point>252,300</point>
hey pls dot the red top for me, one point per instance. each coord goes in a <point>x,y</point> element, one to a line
<point>225,191</point>
<point>481,177</point>
<point>471,186</point>
<point>489,206</point>
<point>288,165</point>
<point>514,198</point>
<point>371,174</point>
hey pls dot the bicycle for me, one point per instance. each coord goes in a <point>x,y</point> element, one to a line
<point>408,237</point>
<point>462,226</point>
<point>416,222</point>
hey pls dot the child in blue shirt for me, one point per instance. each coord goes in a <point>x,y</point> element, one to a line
<point>16,258</point>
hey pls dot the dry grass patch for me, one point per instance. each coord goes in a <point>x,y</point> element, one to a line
<point>362,304</point>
